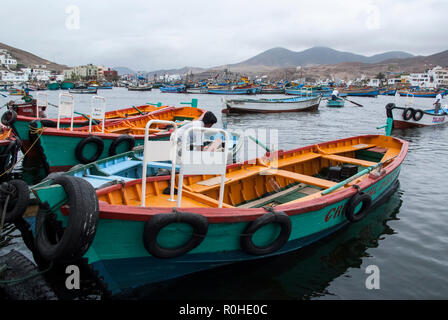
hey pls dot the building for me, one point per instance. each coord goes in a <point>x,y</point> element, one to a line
<point>6,59</point>
<point>110,75</point>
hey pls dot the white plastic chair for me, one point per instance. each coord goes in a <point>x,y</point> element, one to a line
<point>41,103</point>
<point>97,111</point>
<point>66,108</point>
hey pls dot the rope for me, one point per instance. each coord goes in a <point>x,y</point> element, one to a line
<point>33,131</point>
<point>32,275</point>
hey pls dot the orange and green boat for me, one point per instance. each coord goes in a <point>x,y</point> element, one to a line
<point>64,148</point>
<point>269,206</point>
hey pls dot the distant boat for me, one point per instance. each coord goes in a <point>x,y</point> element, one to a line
<point>361,92</point>
<point>83,90</point>
<point>197,90</point>
<point>67,85</point>
<point>409,117</point>
<point>173,89</point>
<point>295,104</point>
<point>16,92</point>
<point>388,92</point>
<point>53,86</point>
<point>234,89</point>
<point>106,85</point>
<point>422,93</point>
<point>272,90</point>
<point>139,88</point>
<point>338,103</point>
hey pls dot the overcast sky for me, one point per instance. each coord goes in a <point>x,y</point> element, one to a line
<point>150,35</point>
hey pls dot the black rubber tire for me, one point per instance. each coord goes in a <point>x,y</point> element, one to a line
<point>52,176</point>
<point>80,147</point>
<point>9,117</point>
<point>130,140</point>
<point>389,108</point>
<point>351,205</point>
<point>418,114</point>
<point>408,113</point>
<point>74,240</point>
<point>280,218</point>
<point>18,201</point>
<point>159,221</point>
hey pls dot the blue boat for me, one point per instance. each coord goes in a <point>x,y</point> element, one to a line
<point>173,89</point>
<point>234,91</point>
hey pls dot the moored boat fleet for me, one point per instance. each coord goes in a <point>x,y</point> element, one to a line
<point>139,202</point>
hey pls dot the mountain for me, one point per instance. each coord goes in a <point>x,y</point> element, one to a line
<point>281,57</point>
<point>29,59</point>
<point>123,70</point>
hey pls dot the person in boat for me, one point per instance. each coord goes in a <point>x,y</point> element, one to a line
<point>196,138</point>
<point>334,94</point>
<point>437,102</point>
<point>27,97</point>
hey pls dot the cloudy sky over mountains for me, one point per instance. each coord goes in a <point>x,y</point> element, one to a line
<point>150,35</point>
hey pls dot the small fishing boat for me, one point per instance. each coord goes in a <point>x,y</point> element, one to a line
<point>53,86</point>
<point>272,90</point>
<point>388,92</point>
<point>361,92</point>
<point>411,117</point>
<point>337,103</point>
<point>234,89</point>
<point>64,148</point>
<point>220,214</point>
<point>106,85</point>
<point>296,104</point>
<point>421,93</point>
<point>173,89</point>
<point>140,88</point>
<point>16,92</point>
<point>196,90</point>
<point>67,85</point>
<point>90,90</point>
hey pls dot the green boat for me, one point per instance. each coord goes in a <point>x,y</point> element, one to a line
<point>67,85</point>
<point>338,103</point>
<point>53,86</point>
<point>271,206</point>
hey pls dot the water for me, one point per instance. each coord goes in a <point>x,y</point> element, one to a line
<point>405,237</point>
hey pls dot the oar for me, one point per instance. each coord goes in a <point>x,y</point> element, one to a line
<point>3,95</point>
<point>359,105</point>
<point>259,143</point>
<point>138,110</point>
<point>79,113</point>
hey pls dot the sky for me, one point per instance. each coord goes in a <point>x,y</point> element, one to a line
<point>151,35</point>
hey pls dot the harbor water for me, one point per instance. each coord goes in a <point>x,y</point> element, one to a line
<point>405,237</point>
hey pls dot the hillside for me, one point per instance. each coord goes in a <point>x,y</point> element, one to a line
<point>281,57</point>
<point>29,59</point>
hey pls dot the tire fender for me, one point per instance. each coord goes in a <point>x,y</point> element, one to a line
<point>80,147</point>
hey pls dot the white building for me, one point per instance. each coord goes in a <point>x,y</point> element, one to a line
<point>13,76</point>
<point>374,82</point>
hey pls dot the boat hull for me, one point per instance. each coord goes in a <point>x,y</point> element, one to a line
<point>233,106</point>
<point>427,120</point>
<point>136,267</point>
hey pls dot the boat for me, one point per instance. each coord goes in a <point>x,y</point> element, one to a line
<point>421,93</point>
<point>106,85</point>
<point>274,205</point>
<point>67,85</point>
<point>139,88</point>
<point>90,90</point>
<point>197,90</point>
<point>296,104</point>
<point>411,117</point>
<point>338,103</point>
<point>20,116</point>
<point>53,86</point>
<point>173,89</point>
<point>64,148</point>
<point>272,90</point>
<point>16,92</point>
<point>234,89</point>
<point>388,92</point>
<point>360,92</point>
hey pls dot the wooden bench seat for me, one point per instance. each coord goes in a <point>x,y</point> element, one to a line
<point>349,160</point>
<point>321,183</point>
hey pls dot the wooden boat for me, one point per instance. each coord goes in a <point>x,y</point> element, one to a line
<point>139,88</point>
<point>67,85</point>
<point>234,90</point>
<point>65,148</point>
<point>421,93</point>
<point>198,90</point>
<point>361,92</point>
<point>388,92</point>
<point>90,90</point>
<point>20,116</point>
<point>53,86</point>
<point>270,206</point>
<point>295,104</point>
<point>409,117</point>
<point>173,89</point>
<point>16,92</point>
<point>272,90</point>
<point>338,103</point>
